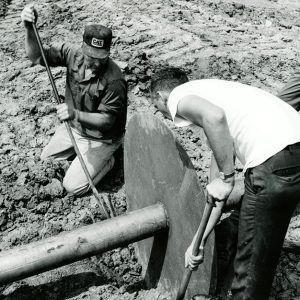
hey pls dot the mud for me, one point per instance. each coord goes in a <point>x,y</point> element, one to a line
<point>255,42</point>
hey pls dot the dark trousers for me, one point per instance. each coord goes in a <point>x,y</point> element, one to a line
<point>272,191</point>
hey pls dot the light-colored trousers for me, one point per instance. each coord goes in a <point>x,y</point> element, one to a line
<point>97,155</point>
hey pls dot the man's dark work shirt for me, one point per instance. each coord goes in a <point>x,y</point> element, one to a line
<point>104,92</point>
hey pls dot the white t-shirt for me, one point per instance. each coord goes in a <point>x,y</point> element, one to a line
<point>260,124</point>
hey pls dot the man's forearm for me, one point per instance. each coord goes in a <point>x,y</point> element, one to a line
<point>31,45</point>
<point>101,121</point>
<point>217,210</point>
<point>213,220</point>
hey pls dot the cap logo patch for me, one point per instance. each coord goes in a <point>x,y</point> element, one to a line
<point>97,43</point>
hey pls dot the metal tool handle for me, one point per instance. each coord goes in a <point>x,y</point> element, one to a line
<point>67,124</point>
<point>200,232</point>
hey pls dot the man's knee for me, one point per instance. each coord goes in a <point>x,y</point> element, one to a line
<point>77,189</point>
<point>81,186</point>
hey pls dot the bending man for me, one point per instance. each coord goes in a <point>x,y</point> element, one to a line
<point>263,133</point>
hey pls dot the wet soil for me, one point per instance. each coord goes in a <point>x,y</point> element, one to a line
<point>255,42</point>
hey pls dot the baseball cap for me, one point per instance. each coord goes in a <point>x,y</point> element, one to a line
<point>96,41</point>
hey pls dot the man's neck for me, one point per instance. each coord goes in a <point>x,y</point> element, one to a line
<point>88,73</point>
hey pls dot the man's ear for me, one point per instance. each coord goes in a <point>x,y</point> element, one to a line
<point>163,96</point>
<point>162,103</point>
<point>159,96</point>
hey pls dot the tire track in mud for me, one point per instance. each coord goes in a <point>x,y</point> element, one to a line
<point>185,33</point>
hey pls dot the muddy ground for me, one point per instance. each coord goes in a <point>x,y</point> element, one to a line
<point>255,42</point>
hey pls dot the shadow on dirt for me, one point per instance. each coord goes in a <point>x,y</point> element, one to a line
<point>114,179</point>
<point>66,287</point>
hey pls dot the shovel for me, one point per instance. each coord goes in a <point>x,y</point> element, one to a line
<point>200,232</point>
<point>108,213</point>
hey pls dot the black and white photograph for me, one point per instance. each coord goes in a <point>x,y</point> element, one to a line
<point>150,150</point>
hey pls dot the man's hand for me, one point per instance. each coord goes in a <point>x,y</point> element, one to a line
<point>65,113</point>
<point>29,15</point>
<point>219,189</point>
<point>191,260</point>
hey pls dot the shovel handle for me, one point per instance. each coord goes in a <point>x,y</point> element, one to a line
<point>68,127</point>
<point>46,64</point>
<point>200,232</point>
